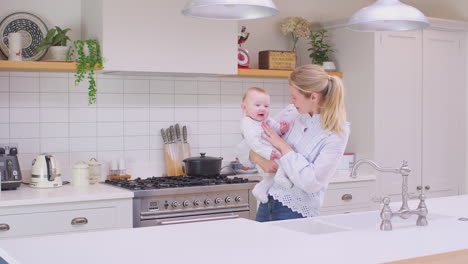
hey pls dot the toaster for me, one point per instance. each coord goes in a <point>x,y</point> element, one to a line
<point>10,172</point>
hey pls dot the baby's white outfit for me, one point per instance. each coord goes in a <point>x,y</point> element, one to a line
<point>252,131</point>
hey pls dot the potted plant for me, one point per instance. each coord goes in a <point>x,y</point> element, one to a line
<point>56,42</point>
<point>320,50</point>
<point>88,57</point>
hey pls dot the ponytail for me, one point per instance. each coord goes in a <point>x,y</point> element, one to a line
<point>312,78</point>
<point>333,113</point>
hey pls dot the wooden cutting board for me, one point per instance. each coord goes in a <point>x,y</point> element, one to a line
<point>453,257</point>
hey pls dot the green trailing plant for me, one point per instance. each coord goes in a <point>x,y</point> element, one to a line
<point>87,61</point>
<point>319,49</point>
<point>54,37</point>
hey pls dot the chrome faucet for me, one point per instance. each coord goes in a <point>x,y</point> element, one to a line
<point>386,214</point>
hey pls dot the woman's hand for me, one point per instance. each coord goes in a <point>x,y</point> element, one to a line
<point>266,165</point>
<point>271,136</point>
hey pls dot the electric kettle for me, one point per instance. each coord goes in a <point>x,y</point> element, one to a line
<point>45,172</point>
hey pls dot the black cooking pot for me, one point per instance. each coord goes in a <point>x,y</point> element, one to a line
<point>203,166</point>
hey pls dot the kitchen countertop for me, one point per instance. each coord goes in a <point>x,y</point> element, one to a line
<point>244,241</point>
<point>26,195</point>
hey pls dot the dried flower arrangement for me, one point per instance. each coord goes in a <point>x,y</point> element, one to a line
<point>298,27</point>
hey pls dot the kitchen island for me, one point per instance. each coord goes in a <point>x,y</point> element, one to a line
<point>244,241</point>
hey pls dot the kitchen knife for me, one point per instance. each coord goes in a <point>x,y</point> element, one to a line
<point>171,152</point>
<point>186,145</point>
<point>167,154</point>
<point>177,169</point>
<point>180,152</point>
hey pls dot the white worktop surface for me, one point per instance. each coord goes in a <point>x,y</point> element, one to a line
<point>26,195</point>
<point>244,241</point>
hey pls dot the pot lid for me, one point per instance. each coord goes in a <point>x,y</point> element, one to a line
<point>93,162</point>
<point>80,165</point>
<point>202,157</point>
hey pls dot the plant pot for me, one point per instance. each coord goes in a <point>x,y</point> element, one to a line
<point>329,66</point>
<point>58,53</point>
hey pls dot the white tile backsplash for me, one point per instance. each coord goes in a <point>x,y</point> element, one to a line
<point>4,132</point>
<point>4,84</point>
<point>24,115</point>
<point>162,86</point>
<point>54,99</point>
<point>24,84</point>
<point>46,112</point>
<point>53,130</point>
<point>24,100</point>
<point>136,114</point>
<point>136,86</point>
<point>84,114</point>
<point>4,115</point>
<point>26,130</point>
<point>4,99</point>
<point>110,129</point>
<point>136,100</point>
<point>54,85</point>
<point>53,115</point>
<point>110,86</point>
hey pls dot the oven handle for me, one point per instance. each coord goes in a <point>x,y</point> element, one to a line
<point>197,220</point>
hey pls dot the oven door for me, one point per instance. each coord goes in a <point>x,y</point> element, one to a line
<point>193,218</point>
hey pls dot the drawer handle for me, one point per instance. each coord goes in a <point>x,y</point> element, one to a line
<point>4,227</point>
<point>79,221</point>
<point>346,197</point>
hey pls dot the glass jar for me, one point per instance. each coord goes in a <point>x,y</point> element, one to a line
<point>94,171</point>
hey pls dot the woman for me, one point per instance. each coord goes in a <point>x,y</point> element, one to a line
<point>310,149</point>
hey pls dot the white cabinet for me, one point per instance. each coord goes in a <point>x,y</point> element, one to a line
<point>406,99</point>
<point>347,197</point>
<point>44,219</point>
<point>154,36</point>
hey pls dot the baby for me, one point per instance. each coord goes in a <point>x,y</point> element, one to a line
<point>256,104</point>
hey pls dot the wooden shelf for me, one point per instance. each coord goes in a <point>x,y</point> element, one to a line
<point>271,73</point>
<point>38,66</point>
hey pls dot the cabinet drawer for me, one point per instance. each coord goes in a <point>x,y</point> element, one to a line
<point>348,196</point>
<point>57,222</point>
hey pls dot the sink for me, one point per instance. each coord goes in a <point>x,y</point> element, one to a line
<point>371,219</point>
<point>307,225</point>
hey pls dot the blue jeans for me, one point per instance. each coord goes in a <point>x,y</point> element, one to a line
<point>274,210</point>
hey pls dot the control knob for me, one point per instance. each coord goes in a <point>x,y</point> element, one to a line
<point>217,200</point>
<point>228,199</point>
<point>196,202</point>
<point>207,202</point>
<point>237,199</point>
<point>185,203</point>
<point>175,204</point>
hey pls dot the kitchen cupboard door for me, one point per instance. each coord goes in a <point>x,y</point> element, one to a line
<point>153,36</point>
<point>397,105</point>
<point>444,112</point>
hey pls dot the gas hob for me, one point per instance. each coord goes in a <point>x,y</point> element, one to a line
<point>174,182</point>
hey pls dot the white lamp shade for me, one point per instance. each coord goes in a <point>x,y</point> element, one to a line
<point>230,9</point>
<point>388,15</point>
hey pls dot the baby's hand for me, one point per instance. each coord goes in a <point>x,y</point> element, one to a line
<point>275,155</point>
<point>284,127</point>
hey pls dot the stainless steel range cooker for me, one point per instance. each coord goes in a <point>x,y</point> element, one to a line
<point>186,199</point>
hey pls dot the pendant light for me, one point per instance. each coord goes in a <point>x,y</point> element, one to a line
<point>230,9</point>
<point>387,15</point>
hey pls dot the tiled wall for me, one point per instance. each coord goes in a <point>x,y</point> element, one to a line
<point>45,112</point>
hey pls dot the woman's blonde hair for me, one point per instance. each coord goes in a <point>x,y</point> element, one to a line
<point>312,78</point>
